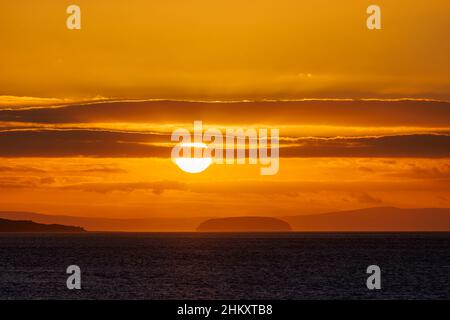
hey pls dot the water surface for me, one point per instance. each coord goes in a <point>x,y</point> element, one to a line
<point>225,266</point>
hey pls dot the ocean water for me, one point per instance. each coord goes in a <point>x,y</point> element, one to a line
<point>225,266</point>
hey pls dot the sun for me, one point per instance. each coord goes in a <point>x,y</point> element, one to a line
<point>193,165</point>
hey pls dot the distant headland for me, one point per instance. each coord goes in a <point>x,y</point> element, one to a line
<point>30,226</point>
<point>244,224</point>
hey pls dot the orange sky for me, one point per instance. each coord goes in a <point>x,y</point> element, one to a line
<point>113,159</point>
<point>225,49</point>
<point>364,116</point>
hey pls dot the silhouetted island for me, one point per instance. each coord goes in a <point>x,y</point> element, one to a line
<point>378,219</point>
<point>30,226</point>
<point>244,224</point>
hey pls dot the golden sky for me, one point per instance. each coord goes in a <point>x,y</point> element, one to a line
<point>225,49</point>
<point>113,158</point>
<point>86,115</point>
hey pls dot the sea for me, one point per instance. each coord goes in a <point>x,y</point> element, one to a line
<point>225,265</point>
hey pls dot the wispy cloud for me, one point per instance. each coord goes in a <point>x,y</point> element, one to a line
<point>156,187</point>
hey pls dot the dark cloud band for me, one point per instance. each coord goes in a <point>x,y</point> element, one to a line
<point>93,143</point>
<point>319,112</point>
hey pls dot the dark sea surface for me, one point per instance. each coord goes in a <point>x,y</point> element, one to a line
<point>225,266</point>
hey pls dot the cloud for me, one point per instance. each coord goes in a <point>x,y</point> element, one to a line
<point>294,188</point>
<point>157,187</point>
<point>47,180</point>
<point>415,171</point>
<point>321,112</point>
<point>12,102</point>
<point>18,183</point>
<point>73,143</point>
<point>366,198</point>
<point>102,169</point>
<point>366,169</point>
<point>415,145</point>
<point>95,143</point>
<point>20,169</point>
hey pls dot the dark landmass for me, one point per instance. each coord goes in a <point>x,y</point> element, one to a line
<point>111,224</point>
<point>372,219</point>
<point>30,226</point>
<point>375,219</point>
<point>244,224</point>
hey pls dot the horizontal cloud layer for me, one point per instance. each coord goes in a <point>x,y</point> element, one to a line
<point>319,112</point>
<point>70,143</point>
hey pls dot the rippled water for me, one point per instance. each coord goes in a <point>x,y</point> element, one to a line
<point>224,266</point>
